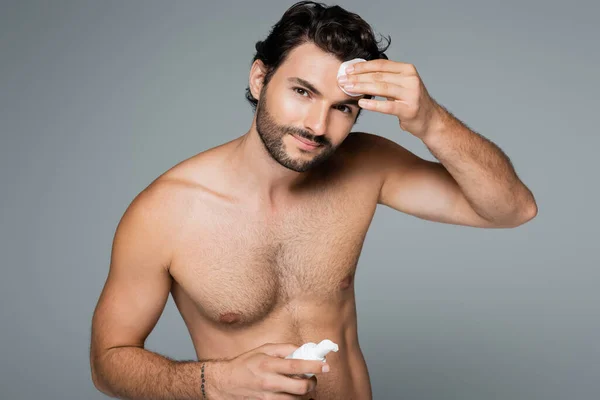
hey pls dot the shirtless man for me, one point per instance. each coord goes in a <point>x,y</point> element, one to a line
<point>258,239</point>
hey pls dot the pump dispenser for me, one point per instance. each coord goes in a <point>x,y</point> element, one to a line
<point>313,351</point>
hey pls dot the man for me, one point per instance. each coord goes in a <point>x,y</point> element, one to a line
<point>258,239</point>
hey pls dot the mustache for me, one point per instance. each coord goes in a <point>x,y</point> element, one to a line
<point>322,140</point>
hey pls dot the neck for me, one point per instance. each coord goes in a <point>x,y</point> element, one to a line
<point>258,174</point>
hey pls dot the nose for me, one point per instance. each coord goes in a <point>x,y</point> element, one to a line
<point>316,119</point>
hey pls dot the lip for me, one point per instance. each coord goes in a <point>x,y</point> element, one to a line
<point>306,144</point>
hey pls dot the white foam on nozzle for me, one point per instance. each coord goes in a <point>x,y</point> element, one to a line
<point>313,351</point>
<point>342,71</point>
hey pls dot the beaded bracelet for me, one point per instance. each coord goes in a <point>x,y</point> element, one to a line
<point>203,381</point>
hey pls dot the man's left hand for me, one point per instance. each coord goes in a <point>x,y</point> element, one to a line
<point>407,97</point>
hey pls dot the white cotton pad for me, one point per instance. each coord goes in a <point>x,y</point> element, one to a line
<point>342,71</point>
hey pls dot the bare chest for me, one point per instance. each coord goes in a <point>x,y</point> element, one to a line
<point>237,267</point>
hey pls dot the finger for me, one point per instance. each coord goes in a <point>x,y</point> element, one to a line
<point>282,396</point>
<point>284,384</point>
<point>394,107</point>
<point>396,79</point>
<point>296,366</point>
<point>382,89</point>
<point>381,65</point>
<point>279,349</point>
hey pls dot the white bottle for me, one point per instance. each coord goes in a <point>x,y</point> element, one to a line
<point>313,351</point>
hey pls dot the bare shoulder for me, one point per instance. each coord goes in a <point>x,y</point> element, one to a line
<point>153,214</point>
<point>374,153</point>
<point>166,202</point>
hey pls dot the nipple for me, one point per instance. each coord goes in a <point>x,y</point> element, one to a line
<point>229,318</point>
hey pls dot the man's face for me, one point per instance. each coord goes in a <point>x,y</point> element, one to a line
<point>302,114</point>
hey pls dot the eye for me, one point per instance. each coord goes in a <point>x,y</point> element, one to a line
<point>300,91</point>
<point>345,109</point>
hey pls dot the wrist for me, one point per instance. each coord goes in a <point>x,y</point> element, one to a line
<point>436,126</point>
<point>212,380</point>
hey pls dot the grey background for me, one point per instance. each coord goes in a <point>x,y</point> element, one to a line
<point>99,98</point>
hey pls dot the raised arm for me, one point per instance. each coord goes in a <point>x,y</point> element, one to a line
<point>474,182</point>
<point>427,190</point>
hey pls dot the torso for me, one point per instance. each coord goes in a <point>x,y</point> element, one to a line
<point>243,277</point>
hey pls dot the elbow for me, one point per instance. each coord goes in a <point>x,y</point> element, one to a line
<point>515,218</point>
<point>524,214</point>
<point>98,384</point>
<point>532,211</point>
<point>101,385</point>
<point>529,211</point>
<point>525,209</point>
<point>97,379</point>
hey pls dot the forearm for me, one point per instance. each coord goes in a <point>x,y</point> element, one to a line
<point>483,172</point>
<point>136,373</point>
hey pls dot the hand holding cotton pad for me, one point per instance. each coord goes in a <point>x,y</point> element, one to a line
<point>342,71</point>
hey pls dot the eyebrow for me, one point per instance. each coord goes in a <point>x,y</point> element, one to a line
<point>316,91</point>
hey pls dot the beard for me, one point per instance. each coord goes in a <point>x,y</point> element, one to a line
<point>272,134</point>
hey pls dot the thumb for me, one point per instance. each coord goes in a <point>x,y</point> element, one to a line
<point>279,349</point>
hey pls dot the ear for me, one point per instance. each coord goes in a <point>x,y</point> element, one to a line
<point>257,77</point>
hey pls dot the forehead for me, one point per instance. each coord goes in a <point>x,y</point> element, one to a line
<point>309,62</point>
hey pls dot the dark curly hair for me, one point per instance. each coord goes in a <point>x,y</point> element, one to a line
<point>333,29</point>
